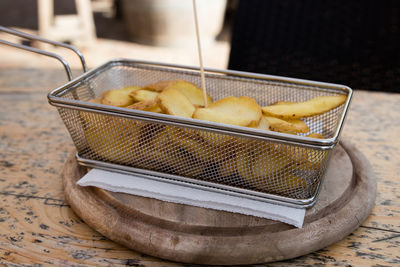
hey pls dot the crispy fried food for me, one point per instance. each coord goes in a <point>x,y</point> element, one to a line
<point>315,135</point>
<point>220,141</point>
<point>270,174</point>
<point>160,153</point>
<point>308,159</point>
<point>131,89</point>
<point>143,95</point>
<point>192,92</point>
<point>283,102</point>
<point>288,125</point>
<point>119,97</point>
<point>107,143</point>
<point>241,111</point>
<point>142,105</point>
<point>160,86</point>
<point>312,107</point>
<point>264,166</point>
<point>193,143</point>
<point>173,102</point>
<point>156,109</point>
<point>263,124</point>
<point>150,106</point>
<point>254,166</point>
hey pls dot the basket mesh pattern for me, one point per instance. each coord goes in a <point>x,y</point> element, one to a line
<point>289,170</point>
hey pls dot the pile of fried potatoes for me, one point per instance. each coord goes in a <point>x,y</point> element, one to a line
<point>185,99</point>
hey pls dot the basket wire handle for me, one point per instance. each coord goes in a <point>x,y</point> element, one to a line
<point>42,52</point>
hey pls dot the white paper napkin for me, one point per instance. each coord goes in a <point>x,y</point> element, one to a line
<point>136,185</point>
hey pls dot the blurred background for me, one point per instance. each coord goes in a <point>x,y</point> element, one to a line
<point>143,30</point>
<point>355,43</point>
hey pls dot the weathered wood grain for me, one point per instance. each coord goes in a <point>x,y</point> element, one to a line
<point>202,236</point>
<point>34,145</point>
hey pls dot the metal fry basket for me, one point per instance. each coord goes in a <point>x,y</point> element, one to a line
<point>251,163</point>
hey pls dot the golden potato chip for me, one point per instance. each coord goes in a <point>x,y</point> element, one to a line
<point>192,92</point>
<point>312,107</point>
<point>173,102</point>
<point>117,97</point>
<point>131,89</point>
<point>308,159</point>
<point>254,165</point>
<point>288,125</point>
<point>220,141</point>
<point>241,111</point>
<point>262,125</point>
<point>156,109</point>
<point>283,102</point>
<point>160,86</point>
<point>150,106</point>
<point>191,142</point>
<point>143,95</point>
<point>113,139</point>
<point>267,168</point>
<point>315,135</point>
<point>160,153</point>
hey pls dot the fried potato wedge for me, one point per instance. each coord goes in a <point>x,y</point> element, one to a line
<point>107,143</point>
<point>190,141</point>
<point>192,92</point>
<point>117,97</point>
<point>308,159</point>
<point>262,125</point>
<point>241,111</point>
<point>175,103</point>
<point>312,107</point>
<point>270,174</point>
<point>142,105</point>
<point>143,95</point>
<point>161,85</point>
<point>315,135</point>
<point>283,102</point>
<point>255,166</point>
<point>220,141</point>
<point>288,125</point>
<point>156,109</point>
<point>131,89</point>
<point>150,106</point>
<point>160,154</point>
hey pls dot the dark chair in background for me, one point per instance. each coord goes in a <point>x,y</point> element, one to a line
<point>356,43</point>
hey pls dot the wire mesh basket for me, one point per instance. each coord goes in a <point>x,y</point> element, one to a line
<point>264,165</point>
<point>247,162</point>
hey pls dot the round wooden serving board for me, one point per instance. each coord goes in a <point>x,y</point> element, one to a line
<point>196,235</point>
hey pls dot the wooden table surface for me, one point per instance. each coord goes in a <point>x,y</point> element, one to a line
<point>37,226</point>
